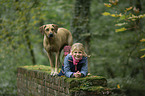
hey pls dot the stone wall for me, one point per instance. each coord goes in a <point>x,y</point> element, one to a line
<point>37,81</point>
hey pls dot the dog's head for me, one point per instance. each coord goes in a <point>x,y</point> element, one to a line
<point>49,30</point>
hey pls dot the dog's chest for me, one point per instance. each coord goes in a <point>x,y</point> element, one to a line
<point>52,48</point>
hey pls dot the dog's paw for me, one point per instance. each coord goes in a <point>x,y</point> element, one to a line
<point>52,73</point>
<point>55,73</point>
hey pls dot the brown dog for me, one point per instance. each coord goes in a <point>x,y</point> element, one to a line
<point>54,40</point>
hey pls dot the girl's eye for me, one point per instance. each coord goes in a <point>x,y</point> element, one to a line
<point>80,52</point>
<point>75,52</point>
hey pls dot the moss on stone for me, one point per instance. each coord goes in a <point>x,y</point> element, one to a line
<point>85,78</point>
<point>41,68</point>
<point>86,81</point>
<point>92,88</point>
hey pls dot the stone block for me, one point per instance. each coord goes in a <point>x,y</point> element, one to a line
<point>51,91</point>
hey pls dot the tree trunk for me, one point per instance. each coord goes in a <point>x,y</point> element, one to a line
<point>30,47</point>
<point>26,33</point>
<point>80,24</point>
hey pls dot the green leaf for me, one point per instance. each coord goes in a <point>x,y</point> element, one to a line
<point>122,17</point>
<point>121,29</point>
<point>142,40</point>
<point>120,24</point>
<point>106,13</point>
<point>142,49</point>
<point>142,56</point>
<point>107,5</point>
<point>141,16</point>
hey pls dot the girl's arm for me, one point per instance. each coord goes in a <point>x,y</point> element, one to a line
<point>67,70</point>
<point>84,69</point>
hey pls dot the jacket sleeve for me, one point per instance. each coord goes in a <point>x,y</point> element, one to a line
<point>84,69</point>
<point>67,70</point>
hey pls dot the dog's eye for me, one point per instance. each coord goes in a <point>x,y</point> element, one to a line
<point>47,29</point>
<point>52,29</point>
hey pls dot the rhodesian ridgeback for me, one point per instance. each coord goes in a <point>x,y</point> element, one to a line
<point>54,40</point>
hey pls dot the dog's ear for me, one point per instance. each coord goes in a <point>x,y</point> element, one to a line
<point>55,27</point>
<point>41,29</point>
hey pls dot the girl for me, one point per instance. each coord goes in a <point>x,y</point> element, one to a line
<point>75,63</point>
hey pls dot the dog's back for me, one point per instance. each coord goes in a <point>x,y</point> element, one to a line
<point>64,36</point>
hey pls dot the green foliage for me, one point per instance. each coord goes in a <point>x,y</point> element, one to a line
<point>130,18</point>
<point>127,85</point>
<point>117,55</point>
<point>113,55</point>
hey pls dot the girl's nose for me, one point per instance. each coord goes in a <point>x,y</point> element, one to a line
<point>77,53</point>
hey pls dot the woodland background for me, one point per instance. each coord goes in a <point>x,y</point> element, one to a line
<point>117,55</point>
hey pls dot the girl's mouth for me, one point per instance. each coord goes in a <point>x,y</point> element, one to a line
<point>77,58</point>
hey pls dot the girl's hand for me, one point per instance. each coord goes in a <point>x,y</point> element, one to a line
<point>77,74</point>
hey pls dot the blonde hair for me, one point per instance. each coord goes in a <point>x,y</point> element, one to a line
<point>78,46</point>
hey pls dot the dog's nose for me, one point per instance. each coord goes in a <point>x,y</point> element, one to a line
<point>50,35</point>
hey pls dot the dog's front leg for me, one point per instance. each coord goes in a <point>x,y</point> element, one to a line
<point>56,62</point>
<point>51,59</point>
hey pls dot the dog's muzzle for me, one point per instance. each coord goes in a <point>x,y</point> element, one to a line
<point>50,35</point>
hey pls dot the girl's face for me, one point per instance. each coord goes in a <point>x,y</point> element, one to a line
<point>77,54</point>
